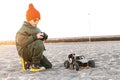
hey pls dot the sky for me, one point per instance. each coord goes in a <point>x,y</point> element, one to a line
<point>62,18</point>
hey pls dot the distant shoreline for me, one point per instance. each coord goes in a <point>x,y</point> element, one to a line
<point>72,39</point>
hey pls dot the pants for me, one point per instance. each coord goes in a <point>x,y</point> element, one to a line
<point>33,53</point>
<point>45,62</point>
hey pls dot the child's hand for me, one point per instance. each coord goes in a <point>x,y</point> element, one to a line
<point>40,35</point>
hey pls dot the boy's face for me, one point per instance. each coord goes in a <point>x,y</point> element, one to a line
<point>34,22</point>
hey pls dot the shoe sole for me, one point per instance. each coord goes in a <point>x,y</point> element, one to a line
<point>37,70</point>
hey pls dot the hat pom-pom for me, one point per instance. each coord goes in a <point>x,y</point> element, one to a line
<point>31,6</point>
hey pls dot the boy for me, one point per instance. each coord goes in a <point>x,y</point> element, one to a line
<point>29,42</point>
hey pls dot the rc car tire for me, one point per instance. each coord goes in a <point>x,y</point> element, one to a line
<point>91,63</point>
<point>76,66</point>
<point>66,64</point>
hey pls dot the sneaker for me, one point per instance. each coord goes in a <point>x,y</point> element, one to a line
<point>37,68</point>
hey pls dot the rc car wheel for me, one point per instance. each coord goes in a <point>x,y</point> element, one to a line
<point>91,63</point>
<point>76,66</point>
<point>66,64</point>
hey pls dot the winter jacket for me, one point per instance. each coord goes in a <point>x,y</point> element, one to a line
<point>26,35</point>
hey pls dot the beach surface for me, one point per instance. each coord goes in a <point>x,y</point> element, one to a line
<point>105,54</point>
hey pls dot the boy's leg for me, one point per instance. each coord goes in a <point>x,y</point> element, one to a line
<point>45,62</point>
<point>36,51</point>
<point>25,59</point>
<point>33,53</point>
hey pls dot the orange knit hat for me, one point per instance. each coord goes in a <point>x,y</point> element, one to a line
<point>32,13</point>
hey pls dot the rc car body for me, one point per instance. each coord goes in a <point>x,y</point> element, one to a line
<point>76,62</point>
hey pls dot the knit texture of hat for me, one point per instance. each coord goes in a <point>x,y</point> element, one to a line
<point>32,13</point>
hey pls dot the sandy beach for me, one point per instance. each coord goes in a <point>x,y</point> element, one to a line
<point>105,54</point>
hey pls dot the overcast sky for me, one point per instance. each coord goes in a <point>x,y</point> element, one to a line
<point>62,18</point>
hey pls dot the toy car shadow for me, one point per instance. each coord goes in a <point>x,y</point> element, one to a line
<point>76,62</point>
